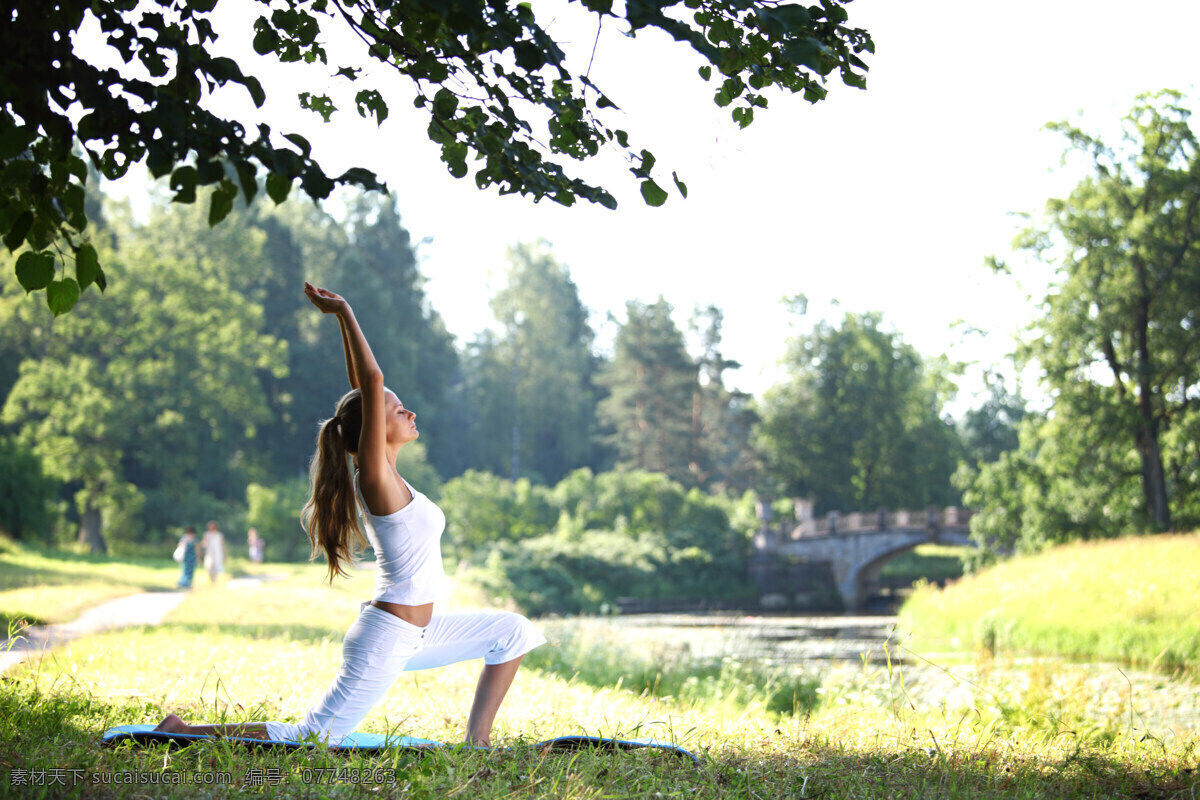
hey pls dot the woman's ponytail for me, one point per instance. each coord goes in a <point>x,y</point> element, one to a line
<point>330,517</point>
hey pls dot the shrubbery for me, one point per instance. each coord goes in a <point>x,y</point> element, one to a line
<point>592,539</point>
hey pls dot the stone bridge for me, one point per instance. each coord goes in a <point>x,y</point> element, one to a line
<point>835,560</point>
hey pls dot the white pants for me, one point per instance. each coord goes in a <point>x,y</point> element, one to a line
<point>379,646</point>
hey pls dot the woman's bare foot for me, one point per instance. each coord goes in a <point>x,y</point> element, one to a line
<point>172,724</point>
<point>244,730</point>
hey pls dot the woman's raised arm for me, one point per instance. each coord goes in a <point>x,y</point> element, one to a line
<point>377,473</point>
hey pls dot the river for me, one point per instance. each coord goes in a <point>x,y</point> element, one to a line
<point>864,658</point>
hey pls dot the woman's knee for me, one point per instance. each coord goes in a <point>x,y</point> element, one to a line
<point>516,636</point>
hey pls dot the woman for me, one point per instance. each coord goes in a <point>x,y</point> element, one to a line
<point>214,551</point>
<point>401,628</point>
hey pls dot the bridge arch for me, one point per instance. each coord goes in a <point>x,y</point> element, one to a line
<point>855,574</point>
<point>855,554</point>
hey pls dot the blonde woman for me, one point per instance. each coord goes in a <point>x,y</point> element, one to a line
<point>353,478</point>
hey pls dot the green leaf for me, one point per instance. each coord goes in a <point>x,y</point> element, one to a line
<point>807,53</point>
<point>316,184</point>
<point>705,72</point>
<point>221,202</point>
<point>266,39</point>
<point>248,175</point>
<point>795,17</point>
<point>278,187</point>
<point>19,171</point>
<point>680,185</point>
<point>41,234</point>
<point>444,104</point>
<point>299,141</point>
<point>14,141</point>
<point>455,156</point>
<point>360,176</point>
<point>255,88</point>
<point>77,167</point>
<point>319,103</point>
<point>652,193</point>
<point>743,116</point>
<point>183,182</point>
<point>370,101</point>
<point>648,162</point>
<point>16,234</point>
<point>62,296</point>
<point>35,270</point>
<point>87,266</point>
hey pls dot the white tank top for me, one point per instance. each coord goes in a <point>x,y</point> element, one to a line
<point>407,545</point>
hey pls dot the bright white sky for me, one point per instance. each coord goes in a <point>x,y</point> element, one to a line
<point>885,200</point>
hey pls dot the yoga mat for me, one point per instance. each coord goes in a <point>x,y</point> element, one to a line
<point>375,742</point>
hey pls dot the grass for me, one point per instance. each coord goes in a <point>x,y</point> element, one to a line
<point>262,652</point>
<point>1134,601</point>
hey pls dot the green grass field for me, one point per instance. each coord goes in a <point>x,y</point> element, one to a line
<point>1134,601</point>
<point>262,651</point>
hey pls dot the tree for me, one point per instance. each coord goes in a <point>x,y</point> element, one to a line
<point>25,504</point>
<point>149,399</point>
<point>722,420</point>
<point>653,384</point>
<point>1119,339</point>
<point>859,425</point>
<point>992,429</point>
<point>496,87</point>
<point>1056,486</point>
<point>548,342</point>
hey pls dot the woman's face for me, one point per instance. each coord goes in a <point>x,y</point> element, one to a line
<point>401,423</point>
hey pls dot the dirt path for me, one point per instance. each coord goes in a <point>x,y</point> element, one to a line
<point>146,608</point>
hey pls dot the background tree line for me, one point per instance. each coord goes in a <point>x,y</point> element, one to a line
<point>193,392</point>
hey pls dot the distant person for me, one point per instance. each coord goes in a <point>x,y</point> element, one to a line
<point>256,546</point>
<point>185,554</point>
<point>402,627</point>
<point>214,551</point>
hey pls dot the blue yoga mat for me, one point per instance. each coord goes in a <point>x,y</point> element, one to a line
<point>375,742</point>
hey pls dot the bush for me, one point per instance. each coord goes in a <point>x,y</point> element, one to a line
<point>481,508</point>
<point>593,539</point>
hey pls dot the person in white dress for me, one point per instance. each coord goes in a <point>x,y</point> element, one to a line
<point>214,551</point>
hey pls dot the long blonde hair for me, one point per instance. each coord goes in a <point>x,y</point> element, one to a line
<point>330,517</point>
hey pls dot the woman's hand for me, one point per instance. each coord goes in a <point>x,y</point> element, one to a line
<point>325,300</point>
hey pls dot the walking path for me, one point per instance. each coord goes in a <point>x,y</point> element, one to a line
<point>146,608</point>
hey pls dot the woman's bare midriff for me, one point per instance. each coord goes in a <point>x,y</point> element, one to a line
<point>413,615</point>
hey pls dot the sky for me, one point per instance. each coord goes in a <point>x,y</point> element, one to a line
<point>883,200</point>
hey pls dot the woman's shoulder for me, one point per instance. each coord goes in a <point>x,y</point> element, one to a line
<point>415,500</point>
